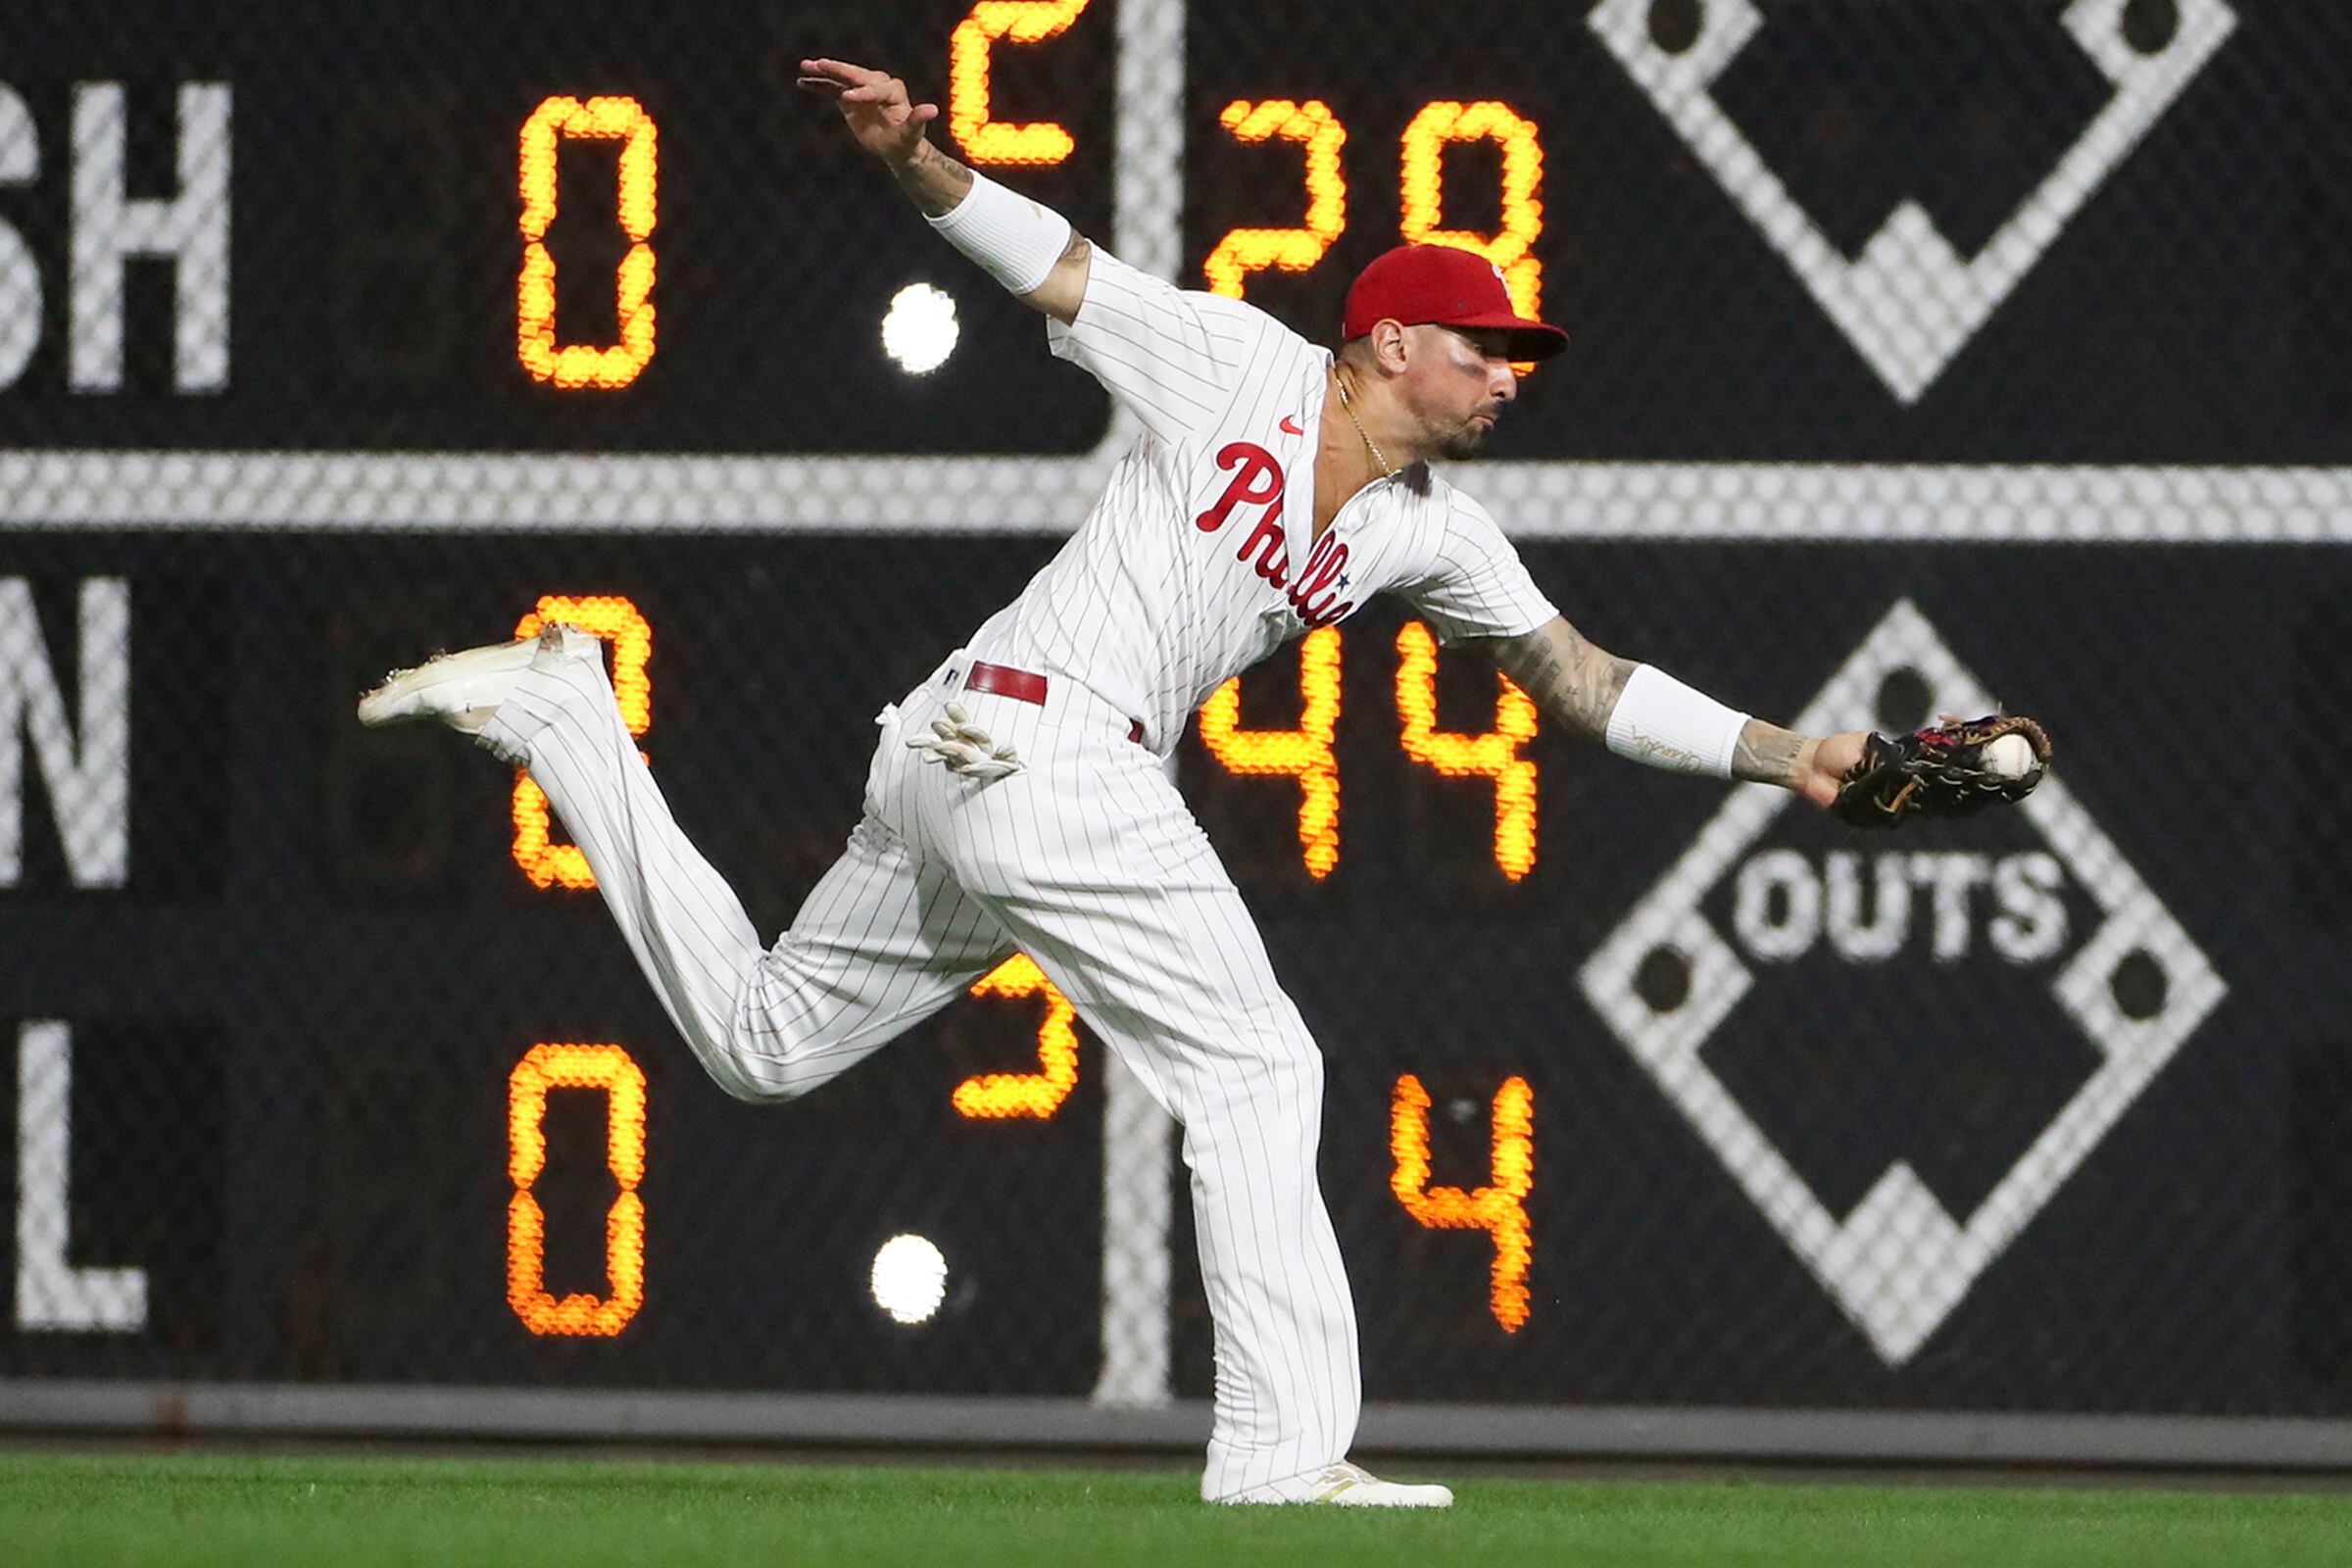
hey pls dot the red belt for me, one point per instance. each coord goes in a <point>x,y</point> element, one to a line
<point>1022,687</point>
<point>1018,684</point>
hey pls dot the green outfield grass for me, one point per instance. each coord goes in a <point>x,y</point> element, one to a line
<point>261,1512</point>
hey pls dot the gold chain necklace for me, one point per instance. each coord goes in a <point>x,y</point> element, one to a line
<point>1346,406</point>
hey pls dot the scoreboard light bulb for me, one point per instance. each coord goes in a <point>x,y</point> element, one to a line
<point>919,331</point>
<point>909,1278</point>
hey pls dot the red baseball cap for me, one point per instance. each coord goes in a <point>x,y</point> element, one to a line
<point>1442,285</point>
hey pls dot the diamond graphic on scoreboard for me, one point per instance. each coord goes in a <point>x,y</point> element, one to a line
<point>1909,301</point>
<point>2135,986</point>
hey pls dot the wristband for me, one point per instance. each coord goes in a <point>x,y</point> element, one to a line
<point>1016,240</point>
<point>1660,722</point>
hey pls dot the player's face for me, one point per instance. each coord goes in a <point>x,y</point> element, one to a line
<point>1458,382</point>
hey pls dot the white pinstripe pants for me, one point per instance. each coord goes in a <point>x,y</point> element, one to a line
<point>1088,860</point>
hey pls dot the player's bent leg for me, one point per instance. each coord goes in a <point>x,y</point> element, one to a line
<point>876,946</point>
<point>880,944</point>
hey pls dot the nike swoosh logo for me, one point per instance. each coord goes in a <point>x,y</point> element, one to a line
<point>1291,425</point>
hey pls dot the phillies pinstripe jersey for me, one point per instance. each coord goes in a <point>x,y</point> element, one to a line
<point>1199,560</point>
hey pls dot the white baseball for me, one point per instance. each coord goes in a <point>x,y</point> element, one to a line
<point>2010,757</point>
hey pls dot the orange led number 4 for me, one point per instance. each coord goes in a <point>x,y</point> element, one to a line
<point>1493,754</point>
<point>547,1067</point>
<point>1038,1094</point>
<point>1305,754</point>
<point>984,139</point>
<point>617,621</point>
<point>586,365</point>
<point>1243,250</point>
<point>1498,1208</point>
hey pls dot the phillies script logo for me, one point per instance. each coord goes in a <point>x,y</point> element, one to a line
<point>1258,481</point>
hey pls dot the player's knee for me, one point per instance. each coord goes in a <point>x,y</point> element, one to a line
<point>759,1081</point>
<point>757,1067</point>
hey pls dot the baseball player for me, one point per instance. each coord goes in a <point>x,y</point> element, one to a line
<point>1018,799</point>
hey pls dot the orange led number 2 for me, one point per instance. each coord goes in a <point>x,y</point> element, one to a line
<point>587,364</point>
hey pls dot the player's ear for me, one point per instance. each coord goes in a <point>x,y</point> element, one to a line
<point>1392,345</point>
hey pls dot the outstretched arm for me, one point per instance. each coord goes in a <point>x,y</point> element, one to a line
<point>1581,685</point>
<point>889,124</point>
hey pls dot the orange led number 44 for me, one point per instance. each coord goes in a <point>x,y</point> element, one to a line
<point>1308,752</point>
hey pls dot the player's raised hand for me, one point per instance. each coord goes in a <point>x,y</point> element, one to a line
<point>873,103</point>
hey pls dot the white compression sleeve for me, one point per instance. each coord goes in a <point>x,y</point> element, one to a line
<point>1665,723</point>
<point>1015,238</point>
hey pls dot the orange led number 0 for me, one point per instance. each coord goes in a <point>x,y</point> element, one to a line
<point>586,365</point>
<point>547,1067</point>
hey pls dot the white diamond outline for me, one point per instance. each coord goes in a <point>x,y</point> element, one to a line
<point>1900,1263</point>
<point>1909,302</point>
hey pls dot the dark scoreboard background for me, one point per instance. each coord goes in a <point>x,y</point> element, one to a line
<point>376,249</point>
<point>294,1020</point>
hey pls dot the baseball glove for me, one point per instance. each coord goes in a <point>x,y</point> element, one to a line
<point>1940,771</point>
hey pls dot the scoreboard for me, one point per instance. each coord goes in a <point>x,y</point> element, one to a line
<point>1922,355</point>
<point>419,267</point>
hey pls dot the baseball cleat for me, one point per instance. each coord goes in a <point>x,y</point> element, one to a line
<point>460,690</point>
<point>1346,1486</point>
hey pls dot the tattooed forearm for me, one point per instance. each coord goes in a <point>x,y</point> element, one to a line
<point>1567,676</point>
<point>1768,754</point>
<point>933,180</point>
<point>1579,684</point>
